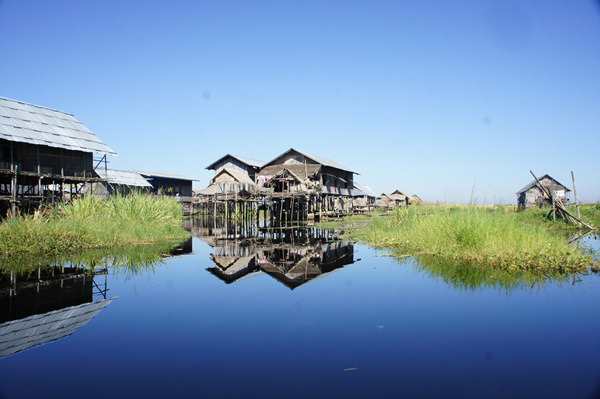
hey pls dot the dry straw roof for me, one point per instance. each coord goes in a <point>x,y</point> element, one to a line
<point>399,192</point>
<point>239,176</point>
<point>26,123</point>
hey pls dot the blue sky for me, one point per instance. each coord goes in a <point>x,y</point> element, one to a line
<point>431,97</point>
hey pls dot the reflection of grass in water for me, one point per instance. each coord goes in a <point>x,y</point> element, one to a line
<point>471,277</point>
<point>127,261</point>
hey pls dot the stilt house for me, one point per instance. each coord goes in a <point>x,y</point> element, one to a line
<point>233,175</point>
<point>42,149</point>
<point>297,171</point>
<point>415,199</point>
<point>400,198</point>
<point>385,201</point>
<point>233,162</point>
<point>363,197</point>
<point>531,195</point>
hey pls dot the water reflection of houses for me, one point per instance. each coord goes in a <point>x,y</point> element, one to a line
<point>48,304</point>
<point>291,256</point>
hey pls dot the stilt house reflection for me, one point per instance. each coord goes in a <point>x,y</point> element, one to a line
<point>292,256</point>
<point>48,304</point>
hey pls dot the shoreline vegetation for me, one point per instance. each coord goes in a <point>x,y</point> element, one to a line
<point>495,236</point>
<point>89,223</point>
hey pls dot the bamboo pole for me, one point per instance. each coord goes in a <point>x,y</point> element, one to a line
<point>575,193</point>
<point>579,220</point>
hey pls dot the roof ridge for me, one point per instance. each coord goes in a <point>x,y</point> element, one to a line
<point>35,105</point>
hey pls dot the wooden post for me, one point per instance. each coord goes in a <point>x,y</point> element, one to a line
<point>575,193</point>
<point>14,190</point>
<point>39,171</point>
<point>281,208</point>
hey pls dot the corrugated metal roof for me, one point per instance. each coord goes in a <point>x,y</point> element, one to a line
<point>27,123</point>
<point>247,161</point>
<point>163,175</point>
<point>251,162</point>
<point>363,190</point>
<point>533,183</point>
<point>122,177</point>
<point>325,161</point>
<point>22,334</point>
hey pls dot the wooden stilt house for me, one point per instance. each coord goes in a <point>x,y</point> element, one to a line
<point>363,198</point>
<point>236,163</point>
<point>303,185</point>
<point>385,201</point>
<point>400,198</point>
<point>42,153</point>
<point>233,175</point>
<point>297,171</point>
<point>415,199</point>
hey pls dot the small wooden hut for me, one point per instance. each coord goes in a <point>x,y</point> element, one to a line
<point>400,198</point>
<point>415,199</point>
<point>363,197</point>
<point>385,201</point>
<point>232,182</point>
<point>531,195</point>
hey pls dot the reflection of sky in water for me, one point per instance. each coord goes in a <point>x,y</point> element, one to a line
<point>178,330</point>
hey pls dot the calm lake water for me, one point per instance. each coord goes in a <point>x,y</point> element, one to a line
<point>254,313</point>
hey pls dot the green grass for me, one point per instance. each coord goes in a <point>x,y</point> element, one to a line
<point>91,223</point>
<point>486,236</point>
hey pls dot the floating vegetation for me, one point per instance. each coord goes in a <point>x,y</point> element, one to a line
<point>484,236</point>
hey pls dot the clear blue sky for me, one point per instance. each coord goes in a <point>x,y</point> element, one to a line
<point>425,96</point>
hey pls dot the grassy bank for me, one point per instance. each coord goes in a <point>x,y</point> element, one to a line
<point>90,223</point>
<point>486,236</point>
